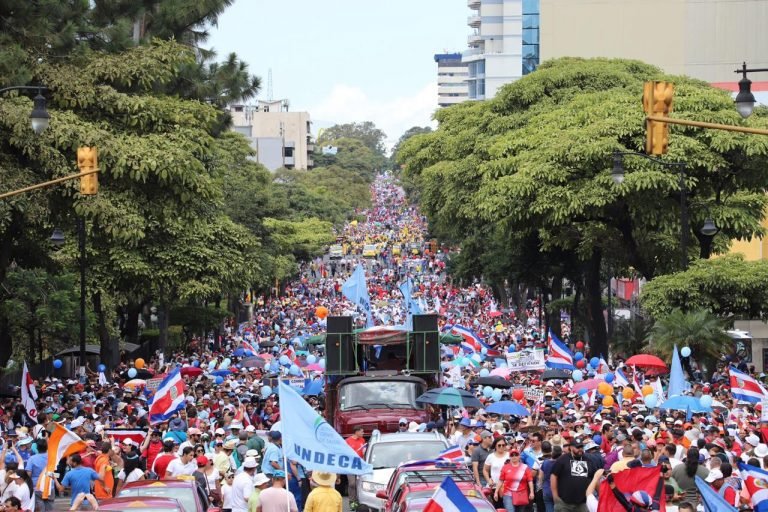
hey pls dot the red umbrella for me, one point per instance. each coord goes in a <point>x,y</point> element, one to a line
<point>192,371</point>
<point>494,314</point>
<point>647,361</point>
<point>587,384</point>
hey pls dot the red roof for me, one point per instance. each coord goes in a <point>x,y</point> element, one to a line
<point>734,86</point>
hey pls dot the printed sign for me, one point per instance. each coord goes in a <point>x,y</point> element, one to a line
<point>154,383</point>
<point>534,394</point>
<point>764,414</point>
<point>526,360</point>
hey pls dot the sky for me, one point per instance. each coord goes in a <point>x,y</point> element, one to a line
<point>347,60</point>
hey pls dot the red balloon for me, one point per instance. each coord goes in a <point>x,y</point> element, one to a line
<point>580,364</point>
<point>580,345</point>
<point>518,394</point>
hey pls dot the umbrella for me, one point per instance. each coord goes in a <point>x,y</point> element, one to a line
<point>647,361</point>
<point>684,403</point>
<point>501,372</point>
<point>313,388</point>
<point>555,375</point>
<point>191,371</point>
<point>221,373</point>
<point>450,339</point>
<point>135,383</point>
<point>450,396</point>
<point>314,368</point>
<point>267,344</point>
<point>587,384</point>
<point>508,407</point>
<point>494,382</point>
<point>316,340</point>
<point>266,356</point>
<point>494,314</point>
<point>253,362</point>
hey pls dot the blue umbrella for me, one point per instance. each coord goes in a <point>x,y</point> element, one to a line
<point>685,403</point>
<point>508,407</point>
<point>220,373</point>
<point>313,388</point>
<point>450,396</point>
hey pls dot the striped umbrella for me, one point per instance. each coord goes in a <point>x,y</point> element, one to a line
<point>451,397</point>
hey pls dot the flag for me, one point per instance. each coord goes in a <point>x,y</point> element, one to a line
<point>452,453</point>
<point>746,388</point>
<point>436,301</point>
<point>309,440</point>
<point>636,382</point>
<point>676,375</point>
<point>448,498</point>
<point>629,481</point>
<point>248,346</point>
<point>61,443</point>
<point>474,341</point>
<point>168,398</point>
<point>620,379</point>
<point>409,305</point>
<point>558,355</point>
<point>28,394</point>
<point>658,389</point>
<point>137,435</point>
<point>756,481</point>
<point>712,500</point>
<point>356,290</point>
<point>103,379</point>
<point>602,368</point>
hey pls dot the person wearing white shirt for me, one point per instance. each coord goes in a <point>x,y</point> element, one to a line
<point>242,487</point>
<point>184,465</point>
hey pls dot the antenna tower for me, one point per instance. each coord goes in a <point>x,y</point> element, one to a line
<point>269,85</point>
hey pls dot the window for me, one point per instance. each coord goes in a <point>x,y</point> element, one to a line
<point>288,152</point>
<point>530,36</point>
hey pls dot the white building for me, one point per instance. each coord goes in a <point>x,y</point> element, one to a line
<point>452,79</point>
<point>503,45</point>
<point>279,137</point>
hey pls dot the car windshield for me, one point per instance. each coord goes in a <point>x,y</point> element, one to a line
<point>379,395</point>
<point>185,495</point>
<point>389,455</point>
<point>369,248</point>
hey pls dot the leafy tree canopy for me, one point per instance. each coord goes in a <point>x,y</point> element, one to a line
<point>366,132</point>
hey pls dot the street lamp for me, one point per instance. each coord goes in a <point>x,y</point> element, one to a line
<point>709,228</point>
<point>57,237</point>
<point>745,100</point>
<point>39,117</point>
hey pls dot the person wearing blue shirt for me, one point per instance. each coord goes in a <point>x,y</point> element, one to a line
<point>79,479</point>
<point>273,455</point>
<point>36,466</point>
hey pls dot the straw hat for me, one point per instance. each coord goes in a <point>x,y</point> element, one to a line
<point>324,479</point>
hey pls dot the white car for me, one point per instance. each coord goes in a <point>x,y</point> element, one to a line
<point>387,451</point>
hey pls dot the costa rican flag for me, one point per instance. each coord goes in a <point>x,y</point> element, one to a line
<point>137,435</point>
<point>248,346</point>
<point>756,481</point>
<point>559,356</point>
<point>602,368</point>
<point>620,378</point>
<point>746,388</point>
<point>168,398</point>
<point>452,453</point>
<point>471,339</point>
<point>448,498</point>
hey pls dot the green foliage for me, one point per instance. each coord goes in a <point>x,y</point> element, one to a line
<point>729,287</point>
<point>630,336</point>
<point>365,132</point>
<point>410,132</point>
<point>198,319</point>
<point>700,330</point>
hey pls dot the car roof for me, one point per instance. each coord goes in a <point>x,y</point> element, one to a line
<point>397,437</point>
<point>160,483</point>
<point>148,502</point>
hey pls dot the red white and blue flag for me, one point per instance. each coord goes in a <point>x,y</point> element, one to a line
<point>559,356</point>
<point>248,346</point>
<point>448,498</point>
<point>756,481</point>
<point>473,342</point>
<point>137,435</point>
<point>602,368</point>
<point>745,388</point>
<point>168,398</point>
<point>637,383</point>
<point>620,378</point>
<point>452,453</point>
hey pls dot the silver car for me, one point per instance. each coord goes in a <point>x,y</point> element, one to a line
<point>387,451</point>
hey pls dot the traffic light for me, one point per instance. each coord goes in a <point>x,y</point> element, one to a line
<point>87,161</point>
<point>657,101</point>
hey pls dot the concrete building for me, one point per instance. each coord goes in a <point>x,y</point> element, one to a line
<point>280,138</point>
<point>451,79</point>
<point>503,45</point>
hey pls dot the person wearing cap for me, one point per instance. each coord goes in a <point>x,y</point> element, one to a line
<point>151,447</point>
<point>160,464</point>
<point>402,425</point>
<point>242,486</point>
<point>463,435</point>
<point>277,498</point>
<point>571,475</point>
<point>324,497</point>
<point>515,483</point>
<point>260,482</point>
<point>254,441</point>
<point>479,454</point>
<point>273,454</point>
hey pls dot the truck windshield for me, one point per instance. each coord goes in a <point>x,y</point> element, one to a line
<point>379,395</point>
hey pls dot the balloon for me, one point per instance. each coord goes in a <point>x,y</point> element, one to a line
<point>132,373</point>
<point>212,364</point>
<point>647,390</point>
<point>685,351</point>
<point>476,357</point>
<point>321,363</point>
<point>274,367</point>
<point>580,364</point>
<point>484,351</point>
<point>650,401</point>
<point>577,375</point>
<point>294,370</point>
<point>597,439</point>
<point>265,392</point>
<point>321,312</point>
<point>628,393</point>
<point>219,380</point>
<point>196,363</point>
<point>607,401</point>
<point>275,349</point>
<point>580,345</point>
<point>706,401</point>
<point>609,378</point>
<point>578,356</point>
<point>225,364</point>
<point>487,391</point>
<point>511,349</point>
<point>311,359</point>
<point>139,363</point>
<point>605,389</point>
<point>102,368</point>
<point>57,363</point>
<point>496,396</point>
<point>284,360</point>
<point>594,362</point>
<point>518,394</point>
<point>484,372</point>
<point>583,391</point>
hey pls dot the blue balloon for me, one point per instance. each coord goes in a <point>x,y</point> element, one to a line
<point>609,378</point>
<point>57,363</point>
<point>685,351</point>
<point>483,350</point>
<point>275,349</point>
<point>485,372</point>
<point>239,352</point>
<point>132,373</point>
<point>294,370</point>
<point>496,396</point>
<point>311,359</point>
<point>266,391</point>
<point>577,375</point>
<point>583,391</point>
<point>706,400</point>
<point>487,391</point>
<point>249,353</point>
<point>511,349</point>
<point>594,362</point>
<point>284,360</point>
<point>196,363</point>
<point>445,365</point>
<point>650,401</point>
<point>597,439</point>
<point>219,380</point>
<point>274,366</point>
<point>212,364</point>
<point>102,368</point>
<point>578,356</point>
<point>321,363</point>
<point>476,357</point>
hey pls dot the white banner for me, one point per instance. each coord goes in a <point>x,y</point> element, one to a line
<point>764,413</point>
<point>526,360</point>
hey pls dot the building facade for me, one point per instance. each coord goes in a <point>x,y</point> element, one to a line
<point>503,45</point>
<point>280,138</point>
<point>451,79</point>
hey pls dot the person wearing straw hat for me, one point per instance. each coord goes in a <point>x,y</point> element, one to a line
<point>260,482</point>
<point>324,497</point>
<point>277,498</point>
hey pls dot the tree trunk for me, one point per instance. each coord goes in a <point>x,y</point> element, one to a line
<point>31,340</point>
<point>553,318</point>
<point>109,351</point>
<point>594,300</point>
<point>131,330</point>
<point>163,321</point>
<point>6,341</point>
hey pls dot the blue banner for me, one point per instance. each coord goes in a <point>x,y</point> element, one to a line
<point>356,290</point>
<point>309,440</point>
<point>411,306</point>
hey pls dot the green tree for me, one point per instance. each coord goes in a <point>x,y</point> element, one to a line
<point>366,132</point>
<point>630,336</point>
<point>410,132</point>
<point>700,330</point>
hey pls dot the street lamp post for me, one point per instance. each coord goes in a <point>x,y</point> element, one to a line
<point>39,117</point>
<point>745,100</point>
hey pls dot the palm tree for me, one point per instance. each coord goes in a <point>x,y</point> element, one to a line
<point>630,336</point>
<point>700,330</point>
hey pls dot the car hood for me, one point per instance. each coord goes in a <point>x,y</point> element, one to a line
<point>379,476</point>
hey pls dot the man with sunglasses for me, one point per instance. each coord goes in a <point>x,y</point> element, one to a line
<point>571,475</point>
<point>151,447</point>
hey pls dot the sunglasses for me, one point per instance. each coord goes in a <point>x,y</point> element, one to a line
<point>514,454</point>
<point>501,445</point>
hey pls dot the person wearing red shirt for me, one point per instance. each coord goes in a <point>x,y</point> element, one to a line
<point>357,442</point>
<point>151,447</point>
<point>516,484</point>
<point>161,461</point>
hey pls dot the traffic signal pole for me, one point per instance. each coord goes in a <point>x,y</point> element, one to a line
<point>711,126</point>
<point>47,184</point>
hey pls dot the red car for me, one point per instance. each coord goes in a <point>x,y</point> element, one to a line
<point>185,491</point>
<point>413,484</point>
<point>136,504</point>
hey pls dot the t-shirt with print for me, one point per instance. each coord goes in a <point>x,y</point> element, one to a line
<point>573,477</point>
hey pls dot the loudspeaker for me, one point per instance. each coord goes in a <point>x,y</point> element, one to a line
<point>339,347</point>
<point>426,344</point>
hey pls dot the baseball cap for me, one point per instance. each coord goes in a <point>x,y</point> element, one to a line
<point>577,442</point>
<point>202,460</point>
<point>485,434</point>
<point>275,434</point>
<point>403,421</point>
<point>714,474</point>
<point>250,428</point>
<point>278,473</point>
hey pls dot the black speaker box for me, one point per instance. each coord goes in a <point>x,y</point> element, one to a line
<point>339,348</point>
<point>426,344</point>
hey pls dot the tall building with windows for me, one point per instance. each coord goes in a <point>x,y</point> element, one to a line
<point>503,45</point>
<point>451,79</point>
